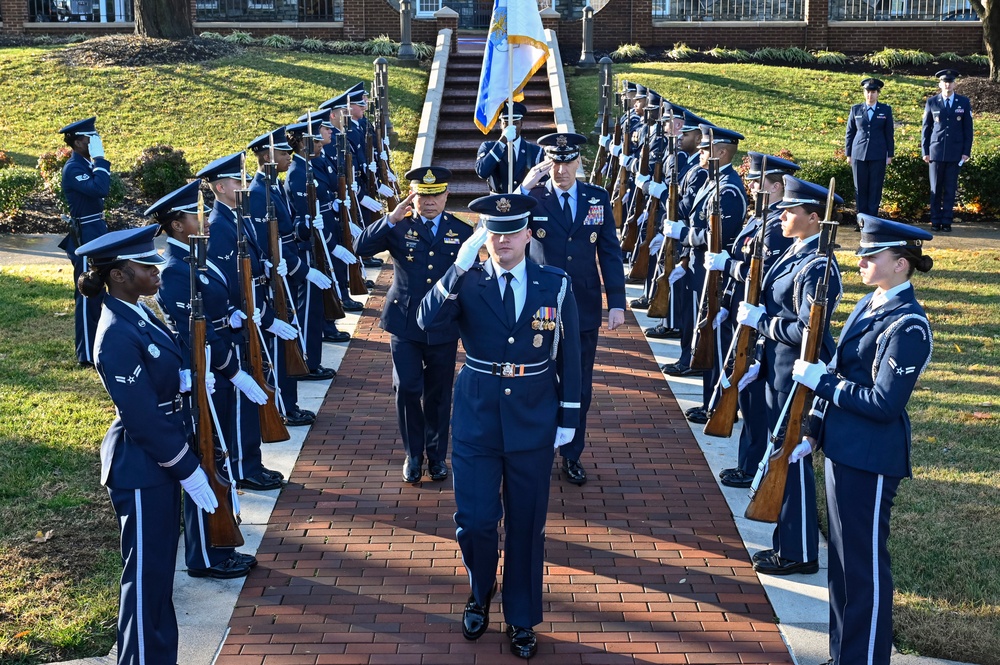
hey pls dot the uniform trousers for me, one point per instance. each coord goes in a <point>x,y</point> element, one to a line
<point>240,420</point>
<point>288,387</point>
<point>309,301</point>
<point>860,577</point>
<point>588,355</point>
<point>147,626</point>
<point>198,554</point>
<point>944,188</point>
<point>753,436</point>
<point>491,484</point>
<point>422,376</point>
<point>685,307</point>
<point>722,339</point>
<point>869,177</point>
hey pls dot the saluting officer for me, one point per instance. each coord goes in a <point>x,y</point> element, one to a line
<point>517,396</point>
<point>145,457</point>
<point>492,161</point>
<point>86,180</point>
<point>177,215</point>
<point>573,229</point>
<point>870,146</point>
<point>859,417</point>
<point>946,143</point>
<point>422,240</point>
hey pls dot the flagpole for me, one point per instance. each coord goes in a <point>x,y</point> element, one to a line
<point>510,107</point>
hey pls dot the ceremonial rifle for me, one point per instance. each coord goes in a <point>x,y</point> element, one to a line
<point>630,233</point>
<point>640,266</point>
<point>659,303</point>
<point>221,527</point>
<point>333,308</point>
<point>724,403</point>
<point>348,202</point>
<point>597,172</point>
<point>611,166</point>
<point>621,174</point>
<point>384,170</point>
<point>768,488</point>
<point>703,357</point>
<point>272,429</point>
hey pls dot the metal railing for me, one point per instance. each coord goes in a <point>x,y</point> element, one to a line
<point>80,11</point>
<point>902,10</point>
<point>269,10</point>
<point>728,10</point>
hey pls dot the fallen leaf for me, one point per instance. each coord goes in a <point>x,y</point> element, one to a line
<point>23,633</point>
<point>932,439</point>
<point>42,537</point>
<point>958,349</point>
<point>980,415</point>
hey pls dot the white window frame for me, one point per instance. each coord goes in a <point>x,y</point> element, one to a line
<point>427,8</point>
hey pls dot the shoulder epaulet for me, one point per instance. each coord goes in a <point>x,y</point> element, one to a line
<point>554,270</point>
<point>467,222</point>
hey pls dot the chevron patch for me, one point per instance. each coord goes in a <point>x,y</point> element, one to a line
<point>899,369</point>
<point>130,378</point>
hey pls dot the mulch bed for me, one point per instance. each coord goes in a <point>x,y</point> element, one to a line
<point>134,51</point>
<point>42,214</point>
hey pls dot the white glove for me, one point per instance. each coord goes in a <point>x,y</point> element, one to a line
<point>749,315</point>
<point>392,177</point>
<point>385,190</point>
<point>246,385</point>
<point>283,330</point>
<point>383,155</point>
<point>716,262</point>
<point>469,251</point>
<point>336,204</point>
<point>318,279</point>
<point>641,180</point>
<point>655,244</point>
<point>345,255</point>
<point>656,189</point>
<point>185,375</point>
<point>256,315</point>
<point>676,274</point>
<point>96,147</point>
<point>720,317</point>
<point>804,448</point>
<point>564,435</point>
<point>510,133</point>
<point>282,268</point>
<point>197,487</point>
<point>317,220</point>
<point>210,382</point>
<point>752,373</point>
<point>605,141</point>
<point>236,320</point>
<point>673,229</point>
<point>355,187</point>
<point>371,204</point>
<point>628,161</point>
<point>616,149</point>
<point>355,230</point>
<point>372,166</point>
<point>808,374</point>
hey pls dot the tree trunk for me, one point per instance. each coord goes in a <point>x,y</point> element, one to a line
<point>990,16</point>
<point>164,19</point>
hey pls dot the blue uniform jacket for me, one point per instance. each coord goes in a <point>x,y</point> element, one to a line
<point>737,268</point>
<point>419,260</point>
<point>522,412</point>
<point>147,443</point>
<point>947,133</point>
<point>288,236</point>
<point>733,209</point>
<point>870,141</point>
<point>491,163</point>
<point>574,249</point>
<point>879,358</point>
<point>224,251</point>
<point>786,293</point>
<point>174,298</point>
<point>85,185</point>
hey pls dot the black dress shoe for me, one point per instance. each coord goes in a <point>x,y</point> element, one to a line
<point>412,469</point>
<point>248,559</point>
<point>260,483</point>
<point>337,336</point>
<point>522,641</point>
<point>351,305</point>
<point>662,332</point>
<point>271,473</point>
<point>762,555</point>
<point>437,470</point>
<point>696,415</point>
<point>298,418</point>
<point>574,471</point>
<point>370,284</point>
<point>935,227</point>
<point>372,262</point>
<point>640,303</point>
<point>945,229</point>
<point>476,617</point>
<point>319,374</point>
<point>775,565</point>
<point>677,369</point>
<point>86,363</point>
<point>234,566</point>
<point>735,478</point>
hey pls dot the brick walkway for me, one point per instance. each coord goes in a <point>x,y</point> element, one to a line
<point>643,564</point>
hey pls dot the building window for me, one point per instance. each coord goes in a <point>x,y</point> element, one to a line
<point>81,11</point>
<point>902,10</point>
<point>427,8</point>
<point>728,10</point>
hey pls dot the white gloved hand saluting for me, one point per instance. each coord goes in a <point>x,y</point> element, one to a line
<point>318,279</point>
<point>751,375</point>
<point>716,262</point>
<point>676,274</point>
<point>510,133</point>
<point>96,147</point>
<point>344,255</point>
<point>673,229</point>
<point>749,315</point>
<point>236,320</point>
<point>282,330</point>
<point>808,374</point>
<point>804,448</point>
<point>469,251</point>
<point>246,385</point>
<point>197,487</point>
<point>720,317</point>
<point>564,435</point>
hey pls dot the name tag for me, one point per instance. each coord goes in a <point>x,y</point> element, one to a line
<point>453,241</point>
<point>541,219</point>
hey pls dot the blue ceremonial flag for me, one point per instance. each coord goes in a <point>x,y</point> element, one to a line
<point>515,49</point>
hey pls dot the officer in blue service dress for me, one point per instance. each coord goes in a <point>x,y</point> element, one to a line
<point>177,214</point>
<point>573,229</point>
<point>781,320</point>
<point>869,145</point>
<point>517,396</point>
<point>946,144</point>
<point>145,456</point>
<point>86,180</point>
<point>422,240</point>
<point>492,162</point>
<point>860,421</point>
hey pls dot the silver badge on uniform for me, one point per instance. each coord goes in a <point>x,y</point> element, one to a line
<point>537,341</point>
<point>142,323</point>
<point>203,278</point>
<point>154,350</point>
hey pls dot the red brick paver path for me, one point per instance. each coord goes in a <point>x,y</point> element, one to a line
<point>643,564</point>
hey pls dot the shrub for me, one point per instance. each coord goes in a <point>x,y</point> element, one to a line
<point>895,57</point>
<point>343,47</point>
<point>830,58</point>
<point>950,57</point>
<point>278,41</point>
<point>766,53</point>
<point>978,185</point>
<point>50,165</point>
<point>423,51</point>
<point>6,161</point>
<point>978,59</point>
<point>238,37</point>
<point>42,39</point>
<point>116,192</point>
<point>17,185</point>
<point>310,44</point>
<point>681,51</point>
<point>731,54</point>
<point>628,52</point>
<point>907,186</point>
<point>211,35</point>
<point>76,38</point>
<point>160,170</point>
<point>820,171</point>
<point>381,45</point>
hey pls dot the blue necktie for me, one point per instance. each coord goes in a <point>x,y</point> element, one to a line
<point>567,211</point>
<point>508,299</point>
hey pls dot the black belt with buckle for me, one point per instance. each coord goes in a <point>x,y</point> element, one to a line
<point>173,406</point>
<point>507,370</point>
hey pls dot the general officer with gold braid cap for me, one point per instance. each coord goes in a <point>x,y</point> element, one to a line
<point>516,398</point>
<point>422,240</point>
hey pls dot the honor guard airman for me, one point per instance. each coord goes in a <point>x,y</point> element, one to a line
<point>946,144</point>
<point>870,146</point>
<point>492,159</point>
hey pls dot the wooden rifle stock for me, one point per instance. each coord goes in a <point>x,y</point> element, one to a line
<point>392,200</point>
<point>659,302</point>
<point>333,308</point>
<point>768,491</point>
<point>221,527</point>
<point>600,162</point>
<point>345,176</point>
<point>630,233</point>
<point>640,264</point>
<point>703,357</point>
<point>621,177</point>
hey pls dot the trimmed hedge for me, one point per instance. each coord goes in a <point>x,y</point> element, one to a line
<point>17,185</point>
<point>160,170</point>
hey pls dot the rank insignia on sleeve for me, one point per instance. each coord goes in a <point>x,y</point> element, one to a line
<point>130,379</point>
<point>898,369</point>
